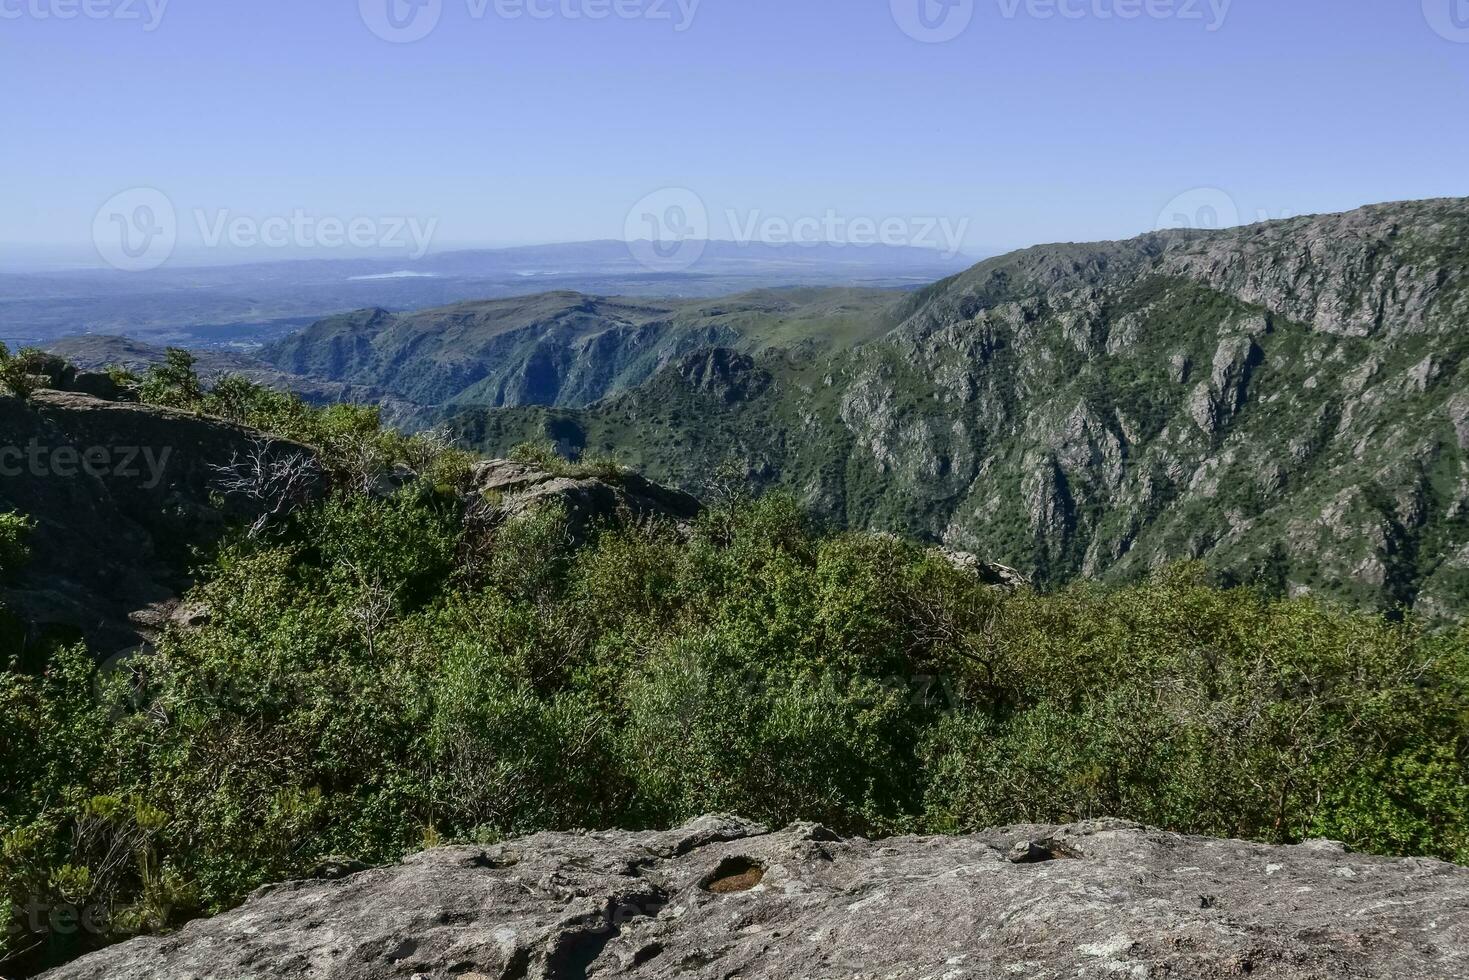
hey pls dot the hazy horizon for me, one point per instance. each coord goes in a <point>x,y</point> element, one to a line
<point>24,258</point>
<point>42,258</point>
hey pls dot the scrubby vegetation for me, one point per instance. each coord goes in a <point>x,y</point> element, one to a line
<point>350,440</point>
<point>377,674</point>
<point>17,371</point>
<point>13,550</point>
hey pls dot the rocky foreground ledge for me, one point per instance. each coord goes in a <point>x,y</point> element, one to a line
<point>722,898</point>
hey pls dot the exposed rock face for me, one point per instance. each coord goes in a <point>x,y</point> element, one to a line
<point>118,492</point>
<point>1101,410</point>
<point>723,373</point>
<point>561,348</point>
<point>518,488</point>
<point>720,898</point>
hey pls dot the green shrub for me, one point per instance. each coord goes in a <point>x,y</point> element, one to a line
<point>544,455</point>
<point>174,383</point>
<point>538,454</point>
<point>19,372</point>
<point>14,528</point>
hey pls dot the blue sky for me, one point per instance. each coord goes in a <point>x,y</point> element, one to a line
<point>1023,128</point>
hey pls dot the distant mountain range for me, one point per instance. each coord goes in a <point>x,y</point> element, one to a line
<point>247,305</point>
<point>1288,402</point>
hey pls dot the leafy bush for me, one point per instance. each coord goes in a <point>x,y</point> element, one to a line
<point>349,439</point>
<point>174,383</point>
<point>13,550</point>
<point>543,455</point>
<point>18,372</point>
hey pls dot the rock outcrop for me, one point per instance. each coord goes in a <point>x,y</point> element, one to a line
<point>988,572</point>
<point>722,898</point>
<point>724,374</point>
<point>119,493</point>
<point>589,498</point>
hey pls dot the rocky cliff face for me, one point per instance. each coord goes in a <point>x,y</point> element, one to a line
<point>1285,401</point>
<point>721,898</point>
<point>1280,396</point>
<point>562,349</point>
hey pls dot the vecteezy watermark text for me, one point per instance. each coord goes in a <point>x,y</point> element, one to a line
<point>406,21</point>
<point>60,919</point>
<point>669,230</point>
<point>145,463</point>
<point>937,21</point>
<point>138,230</point>
<point>943,235</point>
<point>302,229</point>
<point>148,12</point>
<point>1212,13</point>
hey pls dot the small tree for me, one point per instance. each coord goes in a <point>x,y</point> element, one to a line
<point>13,550</point>
<point>174,383</point>
<point>19,373</point>
<point>274,483</point>
<point>729,494</point>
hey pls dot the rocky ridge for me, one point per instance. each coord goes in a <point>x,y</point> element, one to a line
<point>724,898</point>
<point>1284,401</point>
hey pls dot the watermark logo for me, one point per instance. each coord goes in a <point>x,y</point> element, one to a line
<point>933,21</point>
<point>303,230</point>
<point>668,230</point>
<point>137,230</point>
<point>125,673</point>
<point>141,463</point>
<point>149,13</point>
<point>1211,13</point>
<point>1448,18</point>
<point>1211,209</point>
<point>401,21</point>
<point>939,234</point>
<point>1199,209</point>
<point>406,21</point>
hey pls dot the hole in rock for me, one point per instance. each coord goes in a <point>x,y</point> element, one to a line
<point>735,874</point>
<point>1034,852</point>
<point>649,952</point>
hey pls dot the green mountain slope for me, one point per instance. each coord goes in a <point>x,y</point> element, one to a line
<point>1289,401</point>
<point>567,348</point>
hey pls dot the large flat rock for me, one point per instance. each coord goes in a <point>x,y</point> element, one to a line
<point>721,898</point>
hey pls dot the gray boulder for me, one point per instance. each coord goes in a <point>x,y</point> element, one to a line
<point>722,898</point>
<point>988,572</point>
<point>589,498</point>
